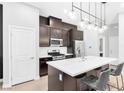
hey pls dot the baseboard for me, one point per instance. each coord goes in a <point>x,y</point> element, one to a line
<point>6,86</point>
<point>37,78</point>
<point>1,80</point>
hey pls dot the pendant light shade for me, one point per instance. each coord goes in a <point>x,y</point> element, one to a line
<point>104,27</point>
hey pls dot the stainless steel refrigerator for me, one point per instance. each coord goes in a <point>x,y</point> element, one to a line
<point>79,49</point>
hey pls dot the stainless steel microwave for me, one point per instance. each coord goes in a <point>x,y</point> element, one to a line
<point>56,42</point>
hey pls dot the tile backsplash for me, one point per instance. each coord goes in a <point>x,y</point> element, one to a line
<point>43,50</point>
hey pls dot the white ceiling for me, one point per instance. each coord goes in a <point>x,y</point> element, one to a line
<point>57,9</point>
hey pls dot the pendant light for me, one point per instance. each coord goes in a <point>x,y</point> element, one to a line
<point>105,26</point>
<point>82,22</point>
<point>96,27</point>
<point>101,22</point>
<point>89,25</point>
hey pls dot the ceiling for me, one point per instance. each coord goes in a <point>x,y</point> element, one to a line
<point>57,9</point>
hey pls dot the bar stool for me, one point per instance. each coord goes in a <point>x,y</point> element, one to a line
<point>97,83</point>
<point>117,72</point>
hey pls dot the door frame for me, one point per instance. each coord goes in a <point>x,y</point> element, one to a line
<point>10,49</point>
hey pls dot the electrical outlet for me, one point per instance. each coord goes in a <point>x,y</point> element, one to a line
<point>60,77</point>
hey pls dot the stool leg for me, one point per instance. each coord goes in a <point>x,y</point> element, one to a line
<point>117,82</point>
<point>122,82</point>
<point>108,87</point>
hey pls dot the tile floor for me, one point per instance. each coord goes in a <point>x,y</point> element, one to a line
<point>42,85</point>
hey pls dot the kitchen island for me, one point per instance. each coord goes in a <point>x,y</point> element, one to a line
<point>62,74</point>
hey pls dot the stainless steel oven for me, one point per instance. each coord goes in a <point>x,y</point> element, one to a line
<point>56,42</point>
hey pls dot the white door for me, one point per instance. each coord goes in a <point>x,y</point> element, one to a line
<point>23,54</point>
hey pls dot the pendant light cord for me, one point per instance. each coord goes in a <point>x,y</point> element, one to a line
<point>89,12</point>
<point>72,7</point>
<point>101,15</point>
<point>95,13</point>
<point>104,14</point>
<point>81,11</point>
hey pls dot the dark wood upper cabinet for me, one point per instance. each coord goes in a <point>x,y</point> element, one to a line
<point>79,35</point>
<point>76,35</point>
<point>56,33</point>
<point>55,22</point>
<point>66,39</point>
<point>67,26</point>
<point>53,27</point>
<point>44,37</point>
<point>43,20</point>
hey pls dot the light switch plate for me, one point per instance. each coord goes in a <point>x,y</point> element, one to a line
<point>60,77</point>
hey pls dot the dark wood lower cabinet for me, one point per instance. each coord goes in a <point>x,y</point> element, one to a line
<point>59,81</point>
<point>70,83</point>
<point>54,84</point>
<point>68,56</point>
<point>1,41</point>
<point>43,66</point>
<point>43,69</point>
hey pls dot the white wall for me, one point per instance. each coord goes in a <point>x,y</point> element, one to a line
<point>113,46</point>
<point>113,40</point>
<point>121,37</point>
<point>21,15</point>
<point>91,43</point>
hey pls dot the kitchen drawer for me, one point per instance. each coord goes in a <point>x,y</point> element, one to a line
<point>43,67</point>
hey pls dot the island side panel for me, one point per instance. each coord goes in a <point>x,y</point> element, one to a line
<point>66,83</point>
<point>70,83</point>
<point>54,83</point>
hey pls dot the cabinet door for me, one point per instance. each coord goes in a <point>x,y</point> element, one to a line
<point>44,36</point>
<point>56,33</point>
<point>55,79</point>
<point>66,39</point>
<point>79,35</point>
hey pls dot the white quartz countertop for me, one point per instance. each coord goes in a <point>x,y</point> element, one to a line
<point>44,56</point>
<point>68,54</point>
<point>77,66</point>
